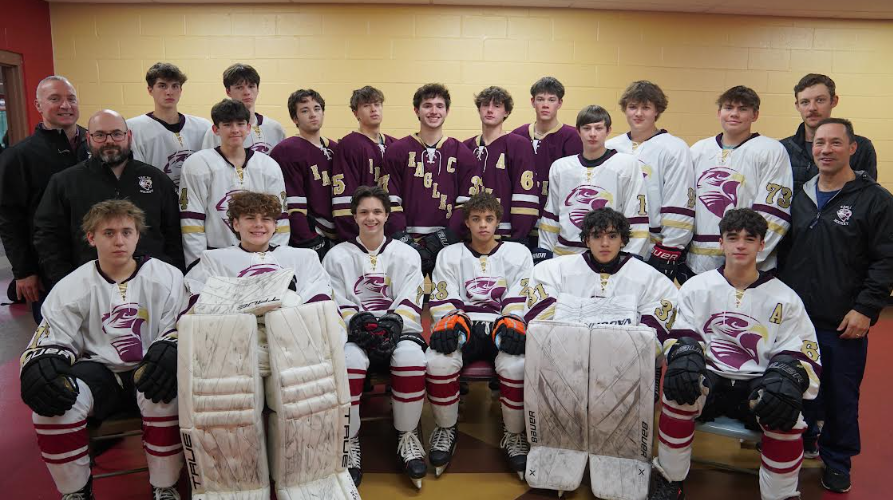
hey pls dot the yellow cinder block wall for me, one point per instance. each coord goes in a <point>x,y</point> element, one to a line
<point>105,50</point>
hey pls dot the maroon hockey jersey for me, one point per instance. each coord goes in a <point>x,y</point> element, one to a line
<point>561,141</point>
<point>509,173</point>
<point>428,186</point>
<point>306,170</point>
<point>358,162</point>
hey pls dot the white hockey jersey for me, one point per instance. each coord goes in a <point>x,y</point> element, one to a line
<point>311,281</point>
<point>166,146</point>
<point>89,317</point>
<point>576,288</point>
<point>756,174</point>
<point>265,134</point>
<point>615,180</point>
<point>483,286</point>
<point>742,330</point>
<point>207,183</point>
<point>387,279</point>
<point>669,184</point>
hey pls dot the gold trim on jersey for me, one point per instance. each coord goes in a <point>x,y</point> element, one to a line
<point>343,212</point>
<point>298,210</point>
<point>640,234</point>
<point>437,145</point>
<point>192,229</point>
<point>524,211</point>
<point>706,251</point>
<point>550,229</point>
<point>678,225</point>
<point>282,229</point>
<point>531,131</point>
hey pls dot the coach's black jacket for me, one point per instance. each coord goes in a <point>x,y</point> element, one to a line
<point>25,169</point>
<point>804,168</point>
<point>841,258</point>
<point>60,242</point>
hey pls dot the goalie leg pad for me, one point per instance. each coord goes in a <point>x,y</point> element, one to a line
<point>161,441</point>
<point>309,393</point>
<point>357,363</point>
<point>510,370</point>
<point>442,384</point>
<point>63,442</point>
<point>407,384</point>
<point>556,370</point>
<point>621,410</point>
<point>220,403</point>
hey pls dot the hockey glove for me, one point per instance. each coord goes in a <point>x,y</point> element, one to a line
<point>450,332</point>
<point>540,255</point>
<point>685,367</point>
<point>778,397</point>
<point>156,375</point>
<point>47,386</point>
<point>320,244</point>
<point>432,244</point>
<point>361,329</point>
<point>390,326</point>
<point>509,334</point>
<point>665,260</point>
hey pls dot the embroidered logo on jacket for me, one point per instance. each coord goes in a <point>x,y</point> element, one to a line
<point>145,184</point>
<point>843,215</point>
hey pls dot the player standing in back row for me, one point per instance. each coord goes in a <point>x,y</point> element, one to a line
<point>669,180</point>
<point>164,138</point>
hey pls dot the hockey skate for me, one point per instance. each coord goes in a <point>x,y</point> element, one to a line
<point>662,489</point>
<point>85,493</point>
<point>443,445</point>
<point>516,448</point>
<point>165,493</point>
<point>354,465</point>
<point>412,455</point>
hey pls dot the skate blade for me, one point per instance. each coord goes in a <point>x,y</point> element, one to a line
<point>417,483</point>
<point>560,493</point>
<point>440,469</point>
<point>520,475</point>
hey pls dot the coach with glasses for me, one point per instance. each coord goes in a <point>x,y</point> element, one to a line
<point>110,173</point>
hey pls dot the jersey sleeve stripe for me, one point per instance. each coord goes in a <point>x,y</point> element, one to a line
<point>781,214</point>
<point>192,215</point>
<point>678,211</point>
<point>638,220</point>
<point>192,229</point>
<point>525,211</point>
<point>550,215</point>
<point>526,197</point>
<point>539,308</point>
<point>346,200</point>
<point>296,199</point>
<point>678,225</point>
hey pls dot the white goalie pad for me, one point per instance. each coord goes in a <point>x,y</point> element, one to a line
<point>250,294</point>
<point>309,392</point>
<point>556,370</point>
<point>220,405</point>
<point>621,410</point>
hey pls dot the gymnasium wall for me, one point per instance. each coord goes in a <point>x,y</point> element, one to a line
<point>25,30</point>
<point>105,50</point>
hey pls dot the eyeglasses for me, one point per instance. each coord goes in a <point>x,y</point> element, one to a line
<point>117,135</point>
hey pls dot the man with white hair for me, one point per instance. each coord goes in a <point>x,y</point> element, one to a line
<point>56,144</point>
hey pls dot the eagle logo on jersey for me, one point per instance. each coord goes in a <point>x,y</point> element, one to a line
<point>261,147</point>
<point>223,205</point>
<point>372,290</point>
<point>175,164</point>
<point>718,189</point>
<point>258,269</point>
<point>584,199</point>
<point>125,323</point>
<point>735,338</point>
<point>486,291</point>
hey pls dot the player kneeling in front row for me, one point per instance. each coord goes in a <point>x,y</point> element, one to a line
<point>287,352</point>
<point>107,342</point>
<point>477,287</point>
<point>742,346</point>
<point>379,287</point>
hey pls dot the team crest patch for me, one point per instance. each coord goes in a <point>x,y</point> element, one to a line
<point>843,215</point>
<point>145,184</point>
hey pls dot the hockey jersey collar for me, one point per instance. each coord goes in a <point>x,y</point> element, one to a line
<point>598,161</point>
<point>260,120</point>
<point>248,154</point>
<point>171,127</point>
<point>356,241</point>
<point>531,130</point>
<point>140,260</point>
<point>270,248</point>
<point>719,140</point>
<point>437,145</point>
<point>611,267</point>
<point>764,277</point>
<point>479,255</point>
<point>629,135</point>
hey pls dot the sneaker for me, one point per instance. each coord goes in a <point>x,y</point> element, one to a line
<point>85,493</point>
<point>165,493</point>
<point>662,489</point>
<point>835,480</point>
<point>810,447</point>
<point>354,462</point>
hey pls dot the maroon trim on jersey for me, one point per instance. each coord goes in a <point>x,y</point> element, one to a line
<point>248,154</point>
<point>649,320</point>
<point>318,298</point>
<point>171,127</point>
<point>638,220</point>
<point>598,161</point>
<point>537,309</point>
<point>142,259</point>
<point>436,145</point>
<point>478,255</point>
<point>192,215</point>
<point>706,238</point>
<point>679,211</point>
<point>568,243</point>
<point>387,240</point>
<point>655,230</point>
<point>798,355</point>
<point>270,248</point>
<point>772,211</point>
<point>410,304</point>
<point>609,268</point>
<point>659,132</point>
<point>549,215</point>
<point>719,140</point>
<point>764,277</point>
<point>260,119</point>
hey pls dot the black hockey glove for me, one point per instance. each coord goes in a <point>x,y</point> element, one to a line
<point>685,367</point>
<point>450,332</point>
<point>47,386</point>
<point>387,334</point>
<point>431,245</point>
<point>778,397</point>
<point>540,255</point>
<point>509,334</point>
<point>156,375</point>
<point>361,329</point>
<point>320,244</point>
<point>665,260</point>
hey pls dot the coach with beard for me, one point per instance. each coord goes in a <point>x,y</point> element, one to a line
<point>109,173</point>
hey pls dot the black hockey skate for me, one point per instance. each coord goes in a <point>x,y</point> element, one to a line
<point>662,489</point>
<point>516,448</point>
<point>443,445</point>
<point>354,464</point>
<point>165,493</point>
<point>411,454</point>
<point>85,493</point>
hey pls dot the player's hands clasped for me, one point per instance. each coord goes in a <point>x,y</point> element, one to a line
<point>509,334</point>
<point>156,375</point>
<point>685,367</point>
<point>450,332</point>
<point>778,398</point>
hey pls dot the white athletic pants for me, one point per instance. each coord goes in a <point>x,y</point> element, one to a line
<point>63,442</point>
<point>407,383</point>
